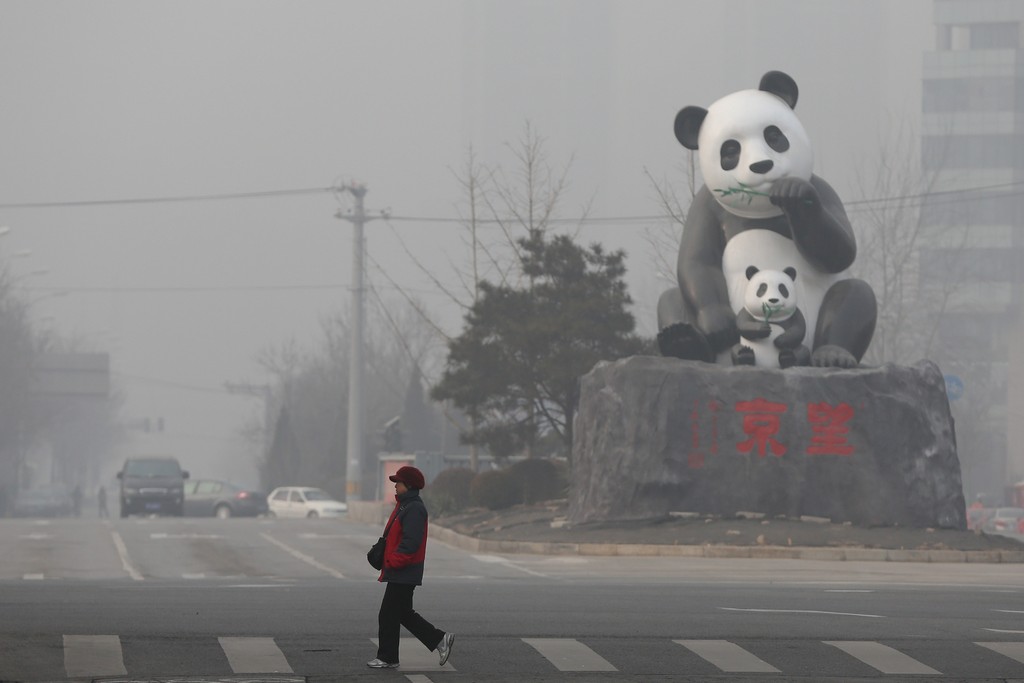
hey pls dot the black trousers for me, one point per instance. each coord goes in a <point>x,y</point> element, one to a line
<point>395,612</point>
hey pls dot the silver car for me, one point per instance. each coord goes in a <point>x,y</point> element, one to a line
<point>1005,522</point>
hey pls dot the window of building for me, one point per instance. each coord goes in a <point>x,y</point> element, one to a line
<point>968,94</point>
<point>972,151</point>
<point>1002,36</point>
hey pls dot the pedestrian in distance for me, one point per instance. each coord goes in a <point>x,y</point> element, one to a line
<point>101,500</point>
<point>404,553</point>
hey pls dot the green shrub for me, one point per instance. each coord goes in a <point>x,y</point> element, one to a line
<point>538,479</point>
<point>449,492</point>
<point>493,490</point>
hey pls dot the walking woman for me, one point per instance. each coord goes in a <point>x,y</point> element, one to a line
<point>404,551</point>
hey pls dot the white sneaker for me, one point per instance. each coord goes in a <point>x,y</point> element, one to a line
<point>381,664</point>
<point>444,648</point>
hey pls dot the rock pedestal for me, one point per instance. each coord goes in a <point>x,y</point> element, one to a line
<point>872,446</point>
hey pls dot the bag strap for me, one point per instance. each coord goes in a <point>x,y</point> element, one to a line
<point>394,516</point>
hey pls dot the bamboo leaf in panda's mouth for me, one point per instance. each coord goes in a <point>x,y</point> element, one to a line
<point>749,193</point>
<point>769,310</point>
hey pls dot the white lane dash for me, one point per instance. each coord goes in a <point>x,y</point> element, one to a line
<point>1000,630</point>
<point>848,590</point>
<point>123,552</point>
<point>418,678</point>
<point>33,577</point>
<point>728,657</point>
<point>802,611</point>
<point>254,656</point>
<point>305,558</point>
<point>495,559</point>
<point>92,656</point>
<point>1011,650</point>
<point>882,657</point>
<point>569,654</point>
<point>1010,611</point>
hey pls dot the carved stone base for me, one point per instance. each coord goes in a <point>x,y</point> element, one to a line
<point>870,446</point>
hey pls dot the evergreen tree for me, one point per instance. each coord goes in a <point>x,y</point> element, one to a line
<point>515,369</point>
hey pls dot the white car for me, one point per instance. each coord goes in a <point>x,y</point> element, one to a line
<point>303,501</point>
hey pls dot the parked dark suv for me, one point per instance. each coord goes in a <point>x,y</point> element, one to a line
<point>152,486</point>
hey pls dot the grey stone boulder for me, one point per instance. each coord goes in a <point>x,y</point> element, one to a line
<point>870,446</point>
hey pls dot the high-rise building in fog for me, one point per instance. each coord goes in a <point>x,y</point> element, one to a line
<point>973,145</point>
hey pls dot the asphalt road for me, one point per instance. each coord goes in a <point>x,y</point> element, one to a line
<point>145,599</point>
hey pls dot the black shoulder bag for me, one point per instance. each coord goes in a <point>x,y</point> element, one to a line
<point>375,556</point>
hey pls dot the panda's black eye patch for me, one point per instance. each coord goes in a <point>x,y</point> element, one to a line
<point>784,291</point>
<point>730,155</point>
<point>776,139</point>
<point>762,288</point>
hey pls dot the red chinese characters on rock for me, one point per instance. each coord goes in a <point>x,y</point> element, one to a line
<point>829,426</point>
<point>695,460</point>
<point>762,423</point>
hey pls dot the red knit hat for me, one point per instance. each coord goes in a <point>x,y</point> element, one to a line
<point>410,476</point>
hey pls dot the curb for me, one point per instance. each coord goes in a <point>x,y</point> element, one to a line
<point>473,544</point>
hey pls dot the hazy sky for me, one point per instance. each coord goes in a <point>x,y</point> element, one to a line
<point>127,100</point>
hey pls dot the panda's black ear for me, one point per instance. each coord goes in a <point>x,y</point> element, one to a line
<point>751,271</point>
<point>781,85</point>
<point>688,122</point>
<point>791,272</point>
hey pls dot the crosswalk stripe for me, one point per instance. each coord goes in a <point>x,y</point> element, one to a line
<point>254,655</point>
<point>728,657</point>
<point>1011,650</point>
<point>569,654</point>
<point>91,656</point>
<point>882,657</point>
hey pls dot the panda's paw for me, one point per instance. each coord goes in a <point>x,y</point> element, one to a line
<point>743,355</point>
<point>831,356</point>
<point>787,358</point>
<point>682,340</point>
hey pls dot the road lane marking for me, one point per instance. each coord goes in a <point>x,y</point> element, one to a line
<point>882,657</point>
<point>418,678</point>
<point>92,656</point>
<point>305,558</point>
<point>1010,611</point>
<point>163,536</point>
<point>122,551</point>
<point>33,577</point>
<point>1011,650</point>
<point>569,654</point>
<point>802,611</point>
<point>36,536</point>
<point>1000,630</point>
<point>415,657</point>
<point>729,657</point>
<point>254,655</point>
<point>494,559</point>
<point>849,590</point>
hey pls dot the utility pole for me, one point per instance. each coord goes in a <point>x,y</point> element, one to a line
<point>356,446</point>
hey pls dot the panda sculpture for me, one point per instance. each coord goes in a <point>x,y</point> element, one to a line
<point>771,326</point>
<point>762,204</point>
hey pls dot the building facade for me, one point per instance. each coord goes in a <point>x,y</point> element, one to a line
<point>972,147</point>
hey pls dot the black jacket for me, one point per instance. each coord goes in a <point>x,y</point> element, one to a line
<point>406,545</point>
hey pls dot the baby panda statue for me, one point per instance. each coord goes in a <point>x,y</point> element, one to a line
<point>771,326</point>
<point>762,204</point>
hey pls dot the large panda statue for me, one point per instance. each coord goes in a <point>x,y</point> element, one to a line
<point>762,204</point>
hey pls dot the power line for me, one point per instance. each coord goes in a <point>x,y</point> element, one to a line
<point>168,199</point>
<point>950,195</point>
